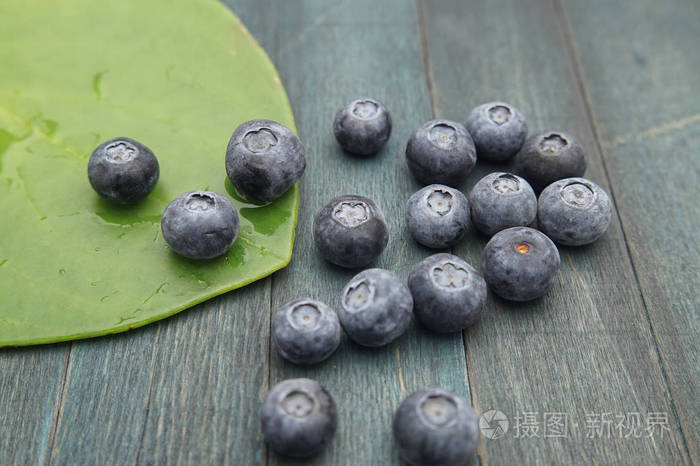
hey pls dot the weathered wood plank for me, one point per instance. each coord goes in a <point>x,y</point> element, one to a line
<point>167,394</point>
<point>210,378</point>
<point>183,391</point>
<point>585,347</point>
<point>327,53</point>
<point>31,383</point>
<point>102,410</point>
<point>640,66</point>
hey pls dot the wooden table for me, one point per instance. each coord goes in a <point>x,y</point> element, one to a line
<point>614,341</point>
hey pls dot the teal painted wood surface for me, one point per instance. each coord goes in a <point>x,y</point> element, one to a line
<point>30,394</point>
<point>322,68</point>
<point>647,64</point>
<point>186,388</point>
<point>585,347</point>
<point>617,334</point>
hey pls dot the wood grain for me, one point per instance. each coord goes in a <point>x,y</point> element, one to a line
<point>618,334</point>
<point>640,67</point>
<point>31,384</point>
<point>183,391</point>
<point>586,346</point>
<point>328,53</point>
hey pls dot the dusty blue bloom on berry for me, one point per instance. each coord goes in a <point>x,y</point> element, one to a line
<point>123,170</point>
<point>362,126</point>
<point>441,152</point>
<point>200,224</point>
<point>550,156</point>
<point>306,331</point>
<point>264,159</point>
<point>436,427</point>
<point>376,307</point>
<point>520,264</point>
<point>574,211</point>
<point>299,418</point>
<point>448,294</point>
<point>498,130</point>
<point>438,216</point>
<point>502,200</point>
<point>350,231</point>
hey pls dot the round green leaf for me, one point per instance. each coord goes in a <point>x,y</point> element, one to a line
<point>177,75</point>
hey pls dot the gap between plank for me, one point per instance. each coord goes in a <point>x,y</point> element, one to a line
<point>266,384</point>
<point>429,78</point>
<point>148,395</point>
<point>60,404</point>
<point>576,67</point>
<point>425,55</point>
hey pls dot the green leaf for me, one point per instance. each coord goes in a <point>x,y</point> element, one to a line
<point>177,75</point>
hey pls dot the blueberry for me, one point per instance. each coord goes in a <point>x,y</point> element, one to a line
<point>362,126</point>
<point>376,307</point>
<point>437,428</point>
<point>122,170</point>
<point>200,224</point>
<point>448,294</point>
<point>550,156</point>
<point>498,130</point>
<point>306,331</point>
<point>520,264</point>
<point>441,151</point>
<point>298,418</point>
<point>574,211</point>
<point>438,216</point>
<point>502,200</point>
<point>264,159</point>
<point>350,231</point>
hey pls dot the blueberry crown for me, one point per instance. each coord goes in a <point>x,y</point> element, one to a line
<point>553,143</point>
<point>351,214</point>
<point>358,295</point>
<point>200,201</point>
<point>365,109</point>
<point>438,410</point>
<point>304,316</point>
<point>260,140</point>
<point>506,184</point>
<point>499,114</point>
<point>449,275</point>
<point>121,152</point>
<point>439,201</point>
<point>298,403</point>
<point>579,195</point>
<point>443,136</point>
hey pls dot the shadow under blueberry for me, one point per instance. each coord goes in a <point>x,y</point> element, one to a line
<point>145,211</point>
<point>534,306</point>
<point>361,160</point>
<point>240,197</point>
